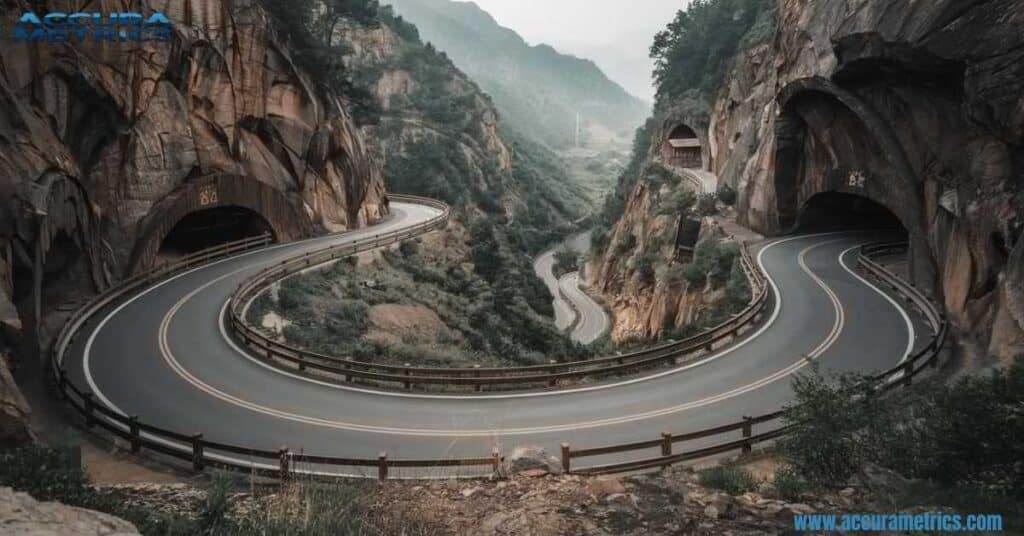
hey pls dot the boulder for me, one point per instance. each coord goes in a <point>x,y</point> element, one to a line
<point>604,486</point>
<point>532,458</point>
<point>21,515</point>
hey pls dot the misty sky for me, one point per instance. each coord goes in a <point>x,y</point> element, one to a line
<point>616,34</point>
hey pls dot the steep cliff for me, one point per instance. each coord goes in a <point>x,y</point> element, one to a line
<point>538,90</point>
<point>105,146</point>
<point>466,295</point>
<point>916,106</point>
<point>440,135</point>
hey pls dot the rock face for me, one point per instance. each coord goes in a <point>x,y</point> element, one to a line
<point>917,106</point>
<point>21,515</point>
<point>439,134</point>
<point>106,147</point>
<point>14,411</point>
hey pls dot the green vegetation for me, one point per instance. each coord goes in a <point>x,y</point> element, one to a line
<point>713,261</point>
<point>789,483</point>
<point>727,195</point>
<point>707,205</point>
<point>492,310</point>
<point>717,263</point>
<point>728,478</point>
<point>615,203</point>
<point>677,203</point>
<point>967,435</point>
<point>691,55</point>
<point>304,508</point>
<point>566,260</point>
<point>311,42</point>
<point>537,90</point>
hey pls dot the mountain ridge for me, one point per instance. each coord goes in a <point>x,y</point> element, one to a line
<point>537,89</point>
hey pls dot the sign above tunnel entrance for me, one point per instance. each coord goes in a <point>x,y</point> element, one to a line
<point>208,195</point>
<point>84,27</point>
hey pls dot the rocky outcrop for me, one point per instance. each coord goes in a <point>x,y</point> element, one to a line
<point>439,134</point>
<point>916,106</point>
<point>14,411</point>
<point>21,515</point>
<point>103,148</point>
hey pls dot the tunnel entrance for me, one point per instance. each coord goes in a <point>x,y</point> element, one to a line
<point>212,226</point>
<point>682,149</point>
<point>837,211</point>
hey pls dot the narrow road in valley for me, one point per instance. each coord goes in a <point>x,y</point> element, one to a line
<point>591,320</point>
<point>165,356</point>
<point>574,308</point>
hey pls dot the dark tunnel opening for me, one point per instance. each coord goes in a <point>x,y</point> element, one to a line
<point>836,211</point>
<point>210,227</point>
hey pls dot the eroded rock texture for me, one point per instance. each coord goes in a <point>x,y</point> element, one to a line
<point>103,147</point>
<point>21,515</point>
<point>918,106</point>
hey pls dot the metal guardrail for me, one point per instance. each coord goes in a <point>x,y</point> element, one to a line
<point>283,463</point>
<point>900,375</point>
<point>194,448</point>
<point>342,370</point>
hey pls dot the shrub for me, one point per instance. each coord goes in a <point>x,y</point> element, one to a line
<point>677,203</point>
<point>827,442</point>
<point>565,261</point>
<point>626,245</point>
<point>966,433</point>
<point>727,195</point>
<point>730,479</point>
<point>789,483</point>
<point>707,205</point>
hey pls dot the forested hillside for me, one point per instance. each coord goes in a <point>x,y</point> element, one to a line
<point>538,90</point>
<point>437,134</point>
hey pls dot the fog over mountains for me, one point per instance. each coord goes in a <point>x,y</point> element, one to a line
<point>538,90</point>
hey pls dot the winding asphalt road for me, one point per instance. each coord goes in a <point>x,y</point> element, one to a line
<point>164,356</point>
<point>573,307</point>
<point>592,320</point>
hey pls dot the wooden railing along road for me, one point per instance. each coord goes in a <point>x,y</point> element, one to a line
<point>283,463</point>
<point>343,370</point>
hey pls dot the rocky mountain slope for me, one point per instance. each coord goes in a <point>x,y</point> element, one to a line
<point>538,90</point>
<point>105,147</point>
<point>916,106</point>
<point>439,135</point>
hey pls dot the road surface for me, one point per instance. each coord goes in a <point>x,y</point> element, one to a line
<point>164,355</point>
<point>570,302</point>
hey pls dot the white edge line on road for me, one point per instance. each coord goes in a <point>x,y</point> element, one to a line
<point>792,368</point>
<point>775,313</point>
<point>87,369</point>
<point>906,318</point>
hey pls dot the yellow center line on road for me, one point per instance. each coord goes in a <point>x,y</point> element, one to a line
<point>175,365</point>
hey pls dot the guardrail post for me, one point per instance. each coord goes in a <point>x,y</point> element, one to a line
<point>62,386</point>
<point>908,373</point>
<point>301,360</point>
<point>284,464</point>
<point>666,446</point>
<point>197,452</point>
<point>747,432</point>
<point>89,404</point>
<point>566,458</point>
<point>133,430</point>
<point>408,385</point>
<point>382,466</point>
<point>495,459</point>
